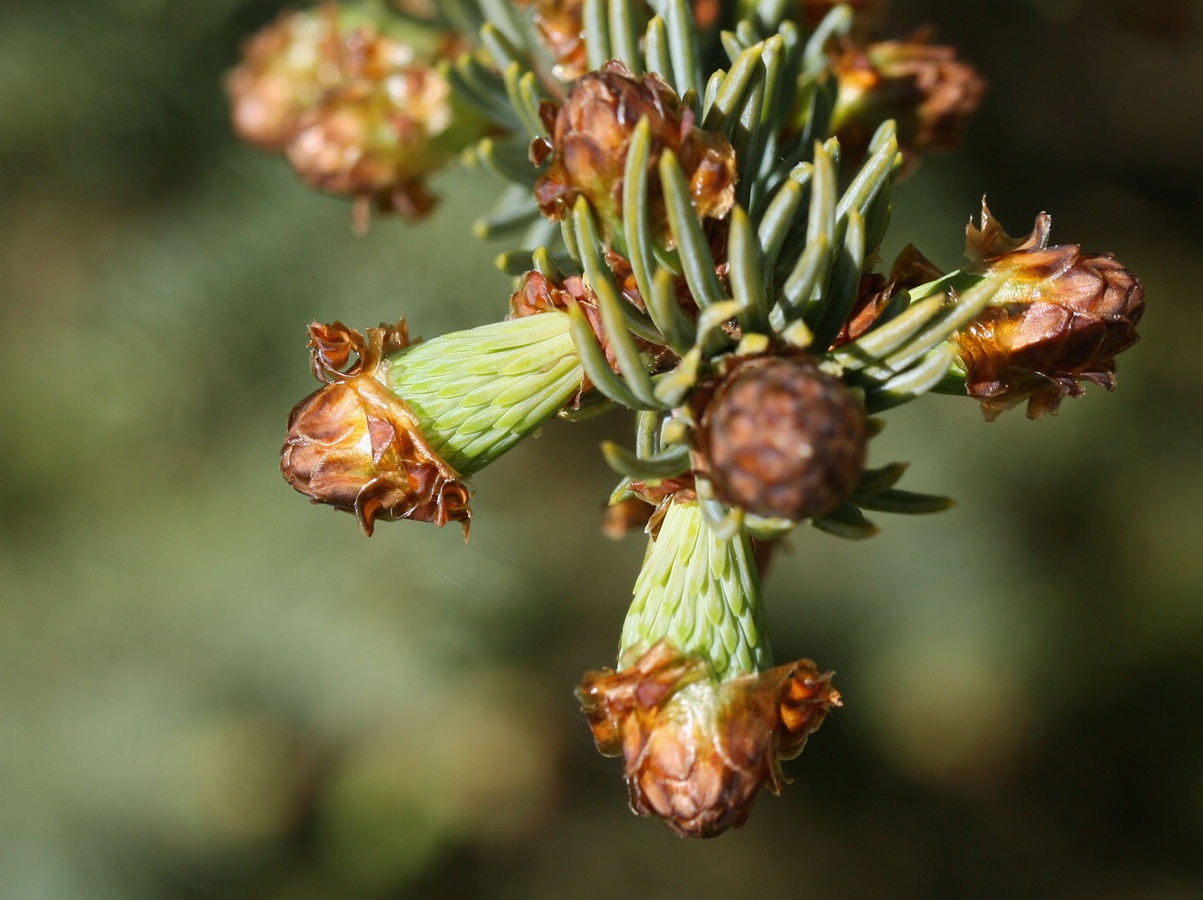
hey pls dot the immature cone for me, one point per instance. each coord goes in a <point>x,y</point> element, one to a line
<point>591,133</point>
<point>924,88</point>
<point>1059,319</point>
<point>357,446</point>
<point>782,439</point>
<point>697,750</point>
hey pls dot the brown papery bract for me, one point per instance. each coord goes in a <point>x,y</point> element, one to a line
<point>561,28</point>
<point>590,134</point>
<point>357,446</point>
<point>697,752</point>
<point>1059,319</point>
<point>928,92</point>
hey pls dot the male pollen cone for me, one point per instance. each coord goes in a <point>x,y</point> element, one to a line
<point>357,105</point>
<point>696,752</point>
<point>357,446</point>
<point>285,68</point>
<point>1059,319</point>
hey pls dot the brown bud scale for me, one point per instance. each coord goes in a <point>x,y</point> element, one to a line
<point>357,446</point>
<point>928,92</point>
<point>911,269</point>
<point>1060,318</point>
<point>697,752</point>
<point>591,132</point>
<point>560,25</point>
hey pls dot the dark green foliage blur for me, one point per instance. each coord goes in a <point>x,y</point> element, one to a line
<point>211,689</point>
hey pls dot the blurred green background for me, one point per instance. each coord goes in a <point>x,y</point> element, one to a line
<point>210,689</point>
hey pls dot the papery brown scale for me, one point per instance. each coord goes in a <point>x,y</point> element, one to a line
<point>536,294</point>
<point>322,454</point>
<point>332,346</point>
<point>356,446</point>
<point>590,135</point>
<point>708,160</point>
<point>1061,318</point>
<point>803,707</point>
<point>697,752</point>
<point>608,698</point>
<point>649,505</point>
<point>625,275</point>
<point>560,26</point>
<point>988,241</point>
<point>910,269</point>
<point>1038,352</point>
<point>647,508</point>
<point>928,92</point>
<point>626,515</point>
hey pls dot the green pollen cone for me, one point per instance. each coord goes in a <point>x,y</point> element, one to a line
<point>479,392</point>
<point>700,593</point>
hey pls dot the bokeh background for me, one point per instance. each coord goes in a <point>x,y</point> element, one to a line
<point>210,689</point>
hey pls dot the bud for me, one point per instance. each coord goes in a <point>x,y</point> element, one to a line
<point>536,293</point>
<point>701,593</point>
<point>1059,319</point>
<point>591,133</point>
<point>924,88</point>
<point>390,436</point>
<point>381,138</point>
<point>780,438</point>
<point>697,750</point>
<point>696,709</point>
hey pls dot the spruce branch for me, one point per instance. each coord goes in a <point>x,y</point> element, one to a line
<point>698,195</point>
